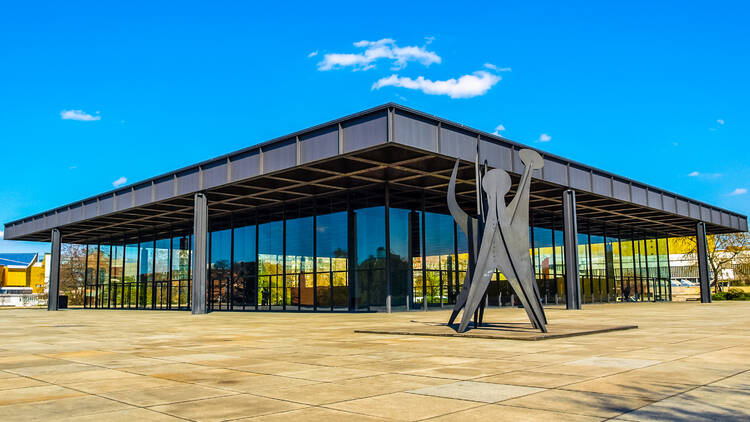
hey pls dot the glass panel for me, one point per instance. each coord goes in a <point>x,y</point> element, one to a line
<point>72,271</point>
<point>332,258</point>
<point>399,233</point>
<point>161,272</point>
<point>103,276</point>
<point>652,270</point>
<point>439,258</point>
<point>116,275</point>
<point>598,269</point>
<point>145,275</point>
<point>614,292</point>
<point>220,274</point>
<point>131,275</point>
<point>415,243</point>
<point>641,272</point>
<point>299,263</point>
<point>664,269</point>
<point>630,290</point>
<point>162,283</point>
<point>583,267</point>
<point>270,261</point>
<point>244,267</point>
<point>180,294</point>
<point>544,263</point>
<point>370,285</point>
<point>92,259</point>
<point>462,262</point>
<point>559,261</point>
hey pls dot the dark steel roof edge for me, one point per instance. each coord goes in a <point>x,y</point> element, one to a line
<point>372,110</point>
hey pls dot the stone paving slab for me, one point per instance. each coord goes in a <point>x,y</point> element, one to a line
<point>477,391</point>
<point>686,361</point>
<point>520,331</point>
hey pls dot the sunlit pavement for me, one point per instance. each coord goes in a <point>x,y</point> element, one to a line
<point>686,361</point>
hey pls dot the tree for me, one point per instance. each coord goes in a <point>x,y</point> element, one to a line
<point>724,251</point>
<point>72,271</point>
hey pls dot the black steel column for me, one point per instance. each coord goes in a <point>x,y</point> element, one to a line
<point>200,231</point>
<point>570,236</point>
<point>703,275</point>
<point>54,273</point>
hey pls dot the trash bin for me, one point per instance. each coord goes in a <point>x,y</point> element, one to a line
<point>62,302</point>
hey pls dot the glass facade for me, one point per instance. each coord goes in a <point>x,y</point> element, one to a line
<point>353,253</point>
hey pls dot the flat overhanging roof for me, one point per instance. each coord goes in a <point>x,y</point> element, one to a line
<point>406,148</point>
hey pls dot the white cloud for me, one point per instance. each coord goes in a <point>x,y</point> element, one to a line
<point>313,54</point>
<point>498,129</point>
<point>466,86</point>
<point>2,233</point>
<point>720,121</point>
<point>78,115</point>
<point>385,48</point>
<point>119,182</point>
<point>704,175</point>
<point>497,69</point>
<point>72,167</point>
<point>738,191</point>
<point>429,40</point>
<point>544,138</point>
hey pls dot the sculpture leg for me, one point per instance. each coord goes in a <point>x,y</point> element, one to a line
<point>461,299</point>
<point>481,309</point>
<point>526,302</point>
<point>475,297</point>
<point>538,295</point>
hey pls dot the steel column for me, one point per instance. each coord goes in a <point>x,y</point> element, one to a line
<point>200,231</point>
<point>570,236</point>
<point>54,273</point>
<point>703,275</point>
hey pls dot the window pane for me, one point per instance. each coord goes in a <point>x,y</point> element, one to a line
<point>270,261</point>
<point>244,267</point>
<point>219,268</point>
<point>399,233</point>
<point>371,288</point>
<point>299,262</point>
<point>332,259</point>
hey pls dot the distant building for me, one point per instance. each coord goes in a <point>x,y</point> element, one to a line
<point>22,278</point>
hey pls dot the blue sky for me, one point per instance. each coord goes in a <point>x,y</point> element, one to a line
<point>94,93</point>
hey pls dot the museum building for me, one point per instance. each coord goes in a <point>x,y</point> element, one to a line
<point>351,215</point>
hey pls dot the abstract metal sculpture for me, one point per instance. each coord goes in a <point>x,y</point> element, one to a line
<point>503,245</point>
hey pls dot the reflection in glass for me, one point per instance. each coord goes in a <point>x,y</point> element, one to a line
<point>244,268</point>
<point>299,263</point>
<point>439,257</point>
<point>370,271</point>
<point>130,276</point>
<point>220,275</point>
<point>399,238</point>
<point>145,274</point>
<point>180,292</point>
<point>116,280</point>
<point>332,258</point>
<point>161,274</point>
<point>270,265</point>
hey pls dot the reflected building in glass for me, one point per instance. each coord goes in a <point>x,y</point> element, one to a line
<point>351,216</point>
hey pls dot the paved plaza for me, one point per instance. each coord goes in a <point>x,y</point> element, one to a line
<point>686,361</point>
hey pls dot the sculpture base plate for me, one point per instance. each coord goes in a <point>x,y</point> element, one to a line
<point>507,331</point>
